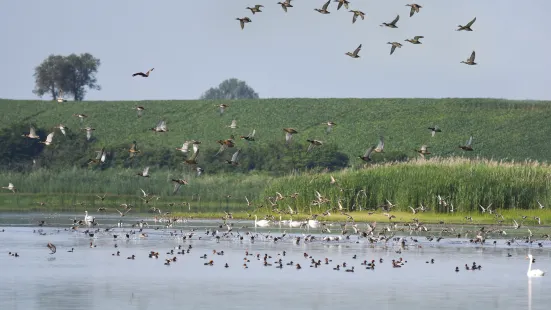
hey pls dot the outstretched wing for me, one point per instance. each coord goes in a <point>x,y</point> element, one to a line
<point>176,188</point>
<point>288,137</point>
<point>324,7</point>
<point>395,20</point>
<point>235,156</point>
<point>392,49</point>
<point>381,144</point>
<point>470,141</point>
<point>368,152</point>
<point>50,137</point>
<point>357,50</point>
<point>471,23</point>
<point>417,38</point>
<point>472,56</point>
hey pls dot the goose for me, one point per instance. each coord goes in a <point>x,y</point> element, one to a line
<point>100,157</point>
<point>143,74</point>
<point>467,27</point>
<point>261,223</point>
<point>286,4</point>
<point>323,9</point>
<point>144,173</point>
<point>367,154</point>
<point>49,139</point>
<point>243,20</point>
<point>32,134</point>
<point>532,273</point>
<point>255,9</point>
<point>133,150</point>
<point>354,54</point>
<point>394,46</point>
<point>356,14</point>
<point>391,24</point>
<point>470,61</point>
<point>414,8</point>
<point>161,127</point>
<point>10,187</point>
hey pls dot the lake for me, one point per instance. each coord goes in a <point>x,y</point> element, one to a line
<point>92,278</point>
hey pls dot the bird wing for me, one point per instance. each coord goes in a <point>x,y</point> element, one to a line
<point>251,135</point>
<point>242,22</point>
<point>368,152</point>
<point>222,148</point>
<point>412,11</point>
<point>395,20</point>
<point>235,155</point>
<point>423,148</point>
<point>162,125</point>
<point>354,17</point>
<point>233,124</point>
<point>194,156</point>
<point>145,171</point>
<point>50,137</point>
<point>185,147</point>
<point>134,146</point>
<point>357,50</point>
<point>417,38</point>
<point>102,159</point>
<point>324,7</point>
<point>310,147</point>
<point>195,148</point>
<point>88,134</point>
<point>470,141</point>
<point>472,56</point>
<point>62,130</point>
<point>381,144</point>
<point>471,23</point>
<point>176,187</point>
<point>288,137</point>
<point>392,49</point>
<point>32,131</point>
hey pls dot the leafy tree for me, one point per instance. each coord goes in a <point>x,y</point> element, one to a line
<point>70,74</point>
<point>230,89</point>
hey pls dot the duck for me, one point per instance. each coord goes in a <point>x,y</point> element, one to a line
<point>313,143</point>
<point>49,139</point>
<point>143,74</point>
<point>249,137</point>
<point>356,14</point>
<point>139,110</point>
<point>414,8</point>
<point>177,184</point>
<point>255,9</point>
<point>468,145</point>
<point>367,155</point>
<point>243,21</point>
<point>350,270</point>
<point>337,268</point>
<point>71,250</point>
<point>470,61</point>
<point>423,150</point>
<point>286,4</point>
<point>210,263</point>
<point>80,116</point>
<point>392,24</point>
<point>32,134</point>
<point>298,266</point>
<point>131,257</point>
<point>234,157</point>
<point>89,131</point>
<point>10,187</point>
<point>394,46</point>
<point>467,27</point>
<point>226,265</point>
<point>323,9</point>
<point>62,128</point>
<point>415,40</point>
<point>144,173</point>
<point>161,127</point>
<point>434,130</point>
<point>354,54</point>
<point>289,132</point>
<point>456,269</point>
<point>133,150</point>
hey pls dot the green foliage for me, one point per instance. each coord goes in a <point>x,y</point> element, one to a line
<point>230,89</point>
<point>70,74</point>
<point>16,151</point>
<point>464,183</point>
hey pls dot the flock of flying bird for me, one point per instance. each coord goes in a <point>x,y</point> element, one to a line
<point>414,8</point>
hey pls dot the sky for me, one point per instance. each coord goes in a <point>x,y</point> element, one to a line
<point>195,45</point>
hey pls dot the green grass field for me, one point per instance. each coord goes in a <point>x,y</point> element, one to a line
<point>502,129</point>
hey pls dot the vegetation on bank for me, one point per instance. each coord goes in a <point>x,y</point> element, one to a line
<point>464,183</point>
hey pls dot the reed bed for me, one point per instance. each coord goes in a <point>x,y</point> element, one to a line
<point>465,183</point>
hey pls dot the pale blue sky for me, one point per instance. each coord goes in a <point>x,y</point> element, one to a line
<point>194,45</point>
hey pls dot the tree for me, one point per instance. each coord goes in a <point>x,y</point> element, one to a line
<point>70,74</point>
<point>230,89</point>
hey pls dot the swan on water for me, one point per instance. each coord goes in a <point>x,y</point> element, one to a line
<point>294,224</point>
<point>313,223</point>
<point>533,272</point>
<point>261,223</point>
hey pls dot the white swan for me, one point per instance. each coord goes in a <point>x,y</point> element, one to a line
<point>88,218</point>
<point>313,223</point>
<point>294,224</point>
<point>261,223</point>
<point>533,273</point>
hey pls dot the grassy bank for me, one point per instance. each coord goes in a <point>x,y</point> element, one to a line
<point>462,182</point>
<point>501,128</point>
<point>67,190</point>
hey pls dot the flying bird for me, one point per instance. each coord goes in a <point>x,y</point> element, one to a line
<point>324,8</point>
<point>356,14</point>
<point>434,130</point>
<point>144,173</point>
<point>89,131</point>
<point>341,3</point>
<point>243,20</point>
<point>415,40</point>
<point>48,140</point>
<point>414,8</point>
<point>470,61</point>
<point>467,27</point>
<point>234,157</point>
<point>139,110</point>
<point>380,146</point>
<point>391,24</point>
<point>286,4</point>
<point>313,143</point>
<point>161,127</point>
<point>143,74</point>
<point>394,46</point>
<point>289,132</point>
<point>177,184</point>
<point>355,53</point>
<point>255,9</point>
<point>32,134</point>
<point>10,187</point>
<point>52,247</point>
<point>468,145</point>
<point>367,154</point>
